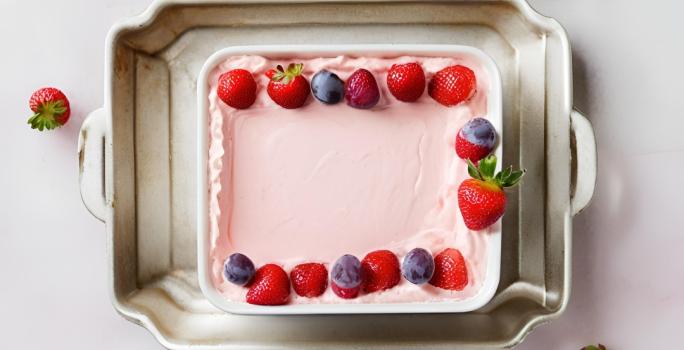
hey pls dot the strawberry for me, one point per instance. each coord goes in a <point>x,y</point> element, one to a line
<point>270,286</point>
<point>452,85</point>
<point>309,280</point>
<point>380,270</point>
<point>406,81</point>
<point>345,277</point>
<point>288,88</point>
<point>475,140</point>
<point>237,88</point>
<point>450,270</point>
<point>481,199</point>
<point>50,109</point>
<point>361,90</point>
<point>345,293</point>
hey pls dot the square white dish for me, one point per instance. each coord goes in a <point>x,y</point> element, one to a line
<point>494,102</point>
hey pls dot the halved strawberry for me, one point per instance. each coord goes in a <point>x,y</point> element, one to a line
<point>450,270</point>
<point>481,199</point>
<point>406,81</point>
<point>309,280</point>
<point>270,286</point>
<point>50,107</point>
<point>452,85</point>
<point>288,87</point>
<point>380,270</point>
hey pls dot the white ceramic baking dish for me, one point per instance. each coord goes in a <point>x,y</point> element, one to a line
<point>494,114</point>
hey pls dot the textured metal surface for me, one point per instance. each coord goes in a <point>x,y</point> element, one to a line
<point>152,64</point>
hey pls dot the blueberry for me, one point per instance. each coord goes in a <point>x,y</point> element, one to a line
<point>418,266</point>
<point>238,269</point>
<point>327,87</point>
<point>480,132</point>
<point>346,273</point>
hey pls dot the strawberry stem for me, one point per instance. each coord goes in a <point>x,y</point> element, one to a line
<point>44,118</point>
<point>485,169</point>
<point>284,76</point>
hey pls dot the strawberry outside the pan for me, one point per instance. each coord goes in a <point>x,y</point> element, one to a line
<point>50,109</point>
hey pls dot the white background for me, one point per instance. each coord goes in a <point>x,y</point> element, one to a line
<point>628,263</point>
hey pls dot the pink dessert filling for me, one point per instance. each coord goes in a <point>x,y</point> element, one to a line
<point>314,183</point>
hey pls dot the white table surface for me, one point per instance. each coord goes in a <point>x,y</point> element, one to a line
<point>627,260</point>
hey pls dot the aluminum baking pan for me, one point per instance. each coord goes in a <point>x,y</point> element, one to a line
<point>137,155</point>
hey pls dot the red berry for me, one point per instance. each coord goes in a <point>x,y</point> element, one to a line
<point>481,199</point>
<point>469,150</point>
<point>270,286</point>
<point>309,280</point>
<point>237,88</point>
<point>361,90</point>
<point>450,270</point>
<point>452,85</point>
<point>380,270</point>
<point>481,203</point>
<point>345,293</point>
<point>288,87</point>
<point>50,107</point>
<point>475,140</point>
<point>406,81</point>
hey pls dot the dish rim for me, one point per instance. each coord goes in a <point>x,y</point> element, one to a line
<point>494,114</point>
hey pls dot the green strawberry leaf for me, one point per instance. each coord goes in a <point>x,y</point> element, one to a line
<point>506,172</point>
<point>44,118</point>
<point>284,76</point>
<point>295,69</point>
<point>473,171</point>
<point>485,171</point>
<point>513,178</point>
<point>487,167</point>
<point>286,79</point>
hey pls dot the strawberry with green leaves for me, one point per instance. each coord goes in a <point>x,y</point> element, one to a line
<point>50,109</point>
<point>482,199</point>
<point>288,87</point>
<point>595,347</point>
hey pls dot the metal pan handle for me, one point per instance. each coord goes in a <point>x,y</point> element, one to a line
<point>584,161</point>
<point>91,162</point>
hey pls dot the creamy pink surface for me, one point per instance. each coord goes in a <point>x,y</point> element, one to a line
<point>314,183</point>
